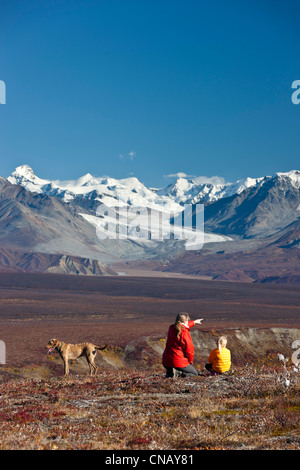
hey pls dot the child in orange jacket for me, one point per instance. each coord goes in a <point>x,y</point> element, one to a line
<point>219,360</point>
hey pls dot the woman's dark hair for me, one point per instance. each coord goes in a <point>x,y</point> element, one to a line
<point>181,318</point>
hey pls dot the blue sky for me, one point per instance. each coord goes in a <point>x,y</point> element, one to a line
<point>149,88</point>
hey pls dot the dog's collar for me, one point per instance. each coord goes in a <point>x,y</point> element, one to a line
<point>59,347</point>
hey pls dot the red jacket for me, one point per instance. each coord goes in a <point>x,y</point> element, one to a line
<point>179,352</point>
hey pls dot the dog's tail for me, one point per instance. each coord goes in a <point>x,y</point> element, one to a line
<point>101,349</point>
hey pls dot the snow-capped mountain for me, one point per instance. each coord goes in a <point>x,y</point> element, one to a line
<point>63,218</point>
<point>244,208</point>
<point>259,211</point>
<point>41,216</point>
<point>130,191</point>
<point>190,191</point>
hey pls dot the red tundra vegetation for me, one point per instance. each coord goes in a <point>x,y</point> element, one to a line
<point>130,405</point>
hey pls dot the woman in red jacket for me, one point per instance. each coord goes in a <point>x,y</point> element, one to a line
<point>179,351</point>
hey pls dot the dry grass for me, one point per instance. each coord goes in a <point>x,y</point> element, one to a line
<point>130,410</point>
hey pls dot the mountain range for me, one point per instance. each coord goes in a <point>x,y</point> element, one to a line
<point>53,226</point>
<point>132,191</point>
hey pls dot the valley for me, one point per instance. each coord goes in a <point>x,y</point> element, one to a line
<point>120,309</point>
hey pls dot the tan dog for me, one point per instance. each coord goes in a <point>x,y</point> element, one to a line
<point>73,351</point>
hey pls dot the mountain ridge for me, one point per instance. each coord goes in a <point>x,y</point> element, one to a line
<point>252,216</point>
<point>183,190</point>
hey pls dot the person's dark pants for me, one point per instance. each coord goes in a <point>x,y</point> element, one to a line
<point>209,367</point>
<point>188,371</point>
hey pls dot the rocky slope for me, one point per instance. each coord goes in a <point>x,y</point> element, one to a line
<point>260,211</point>
<point>19,261</point>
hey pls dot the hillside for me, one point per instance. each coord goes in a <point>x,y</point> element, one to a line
<point>276,263</point>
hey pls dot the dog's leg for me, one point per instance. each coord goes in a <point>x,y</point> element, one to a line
<point>90,359</point>
<point>66,366</point>
<point>90,365</point>
<point>95,368</point>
